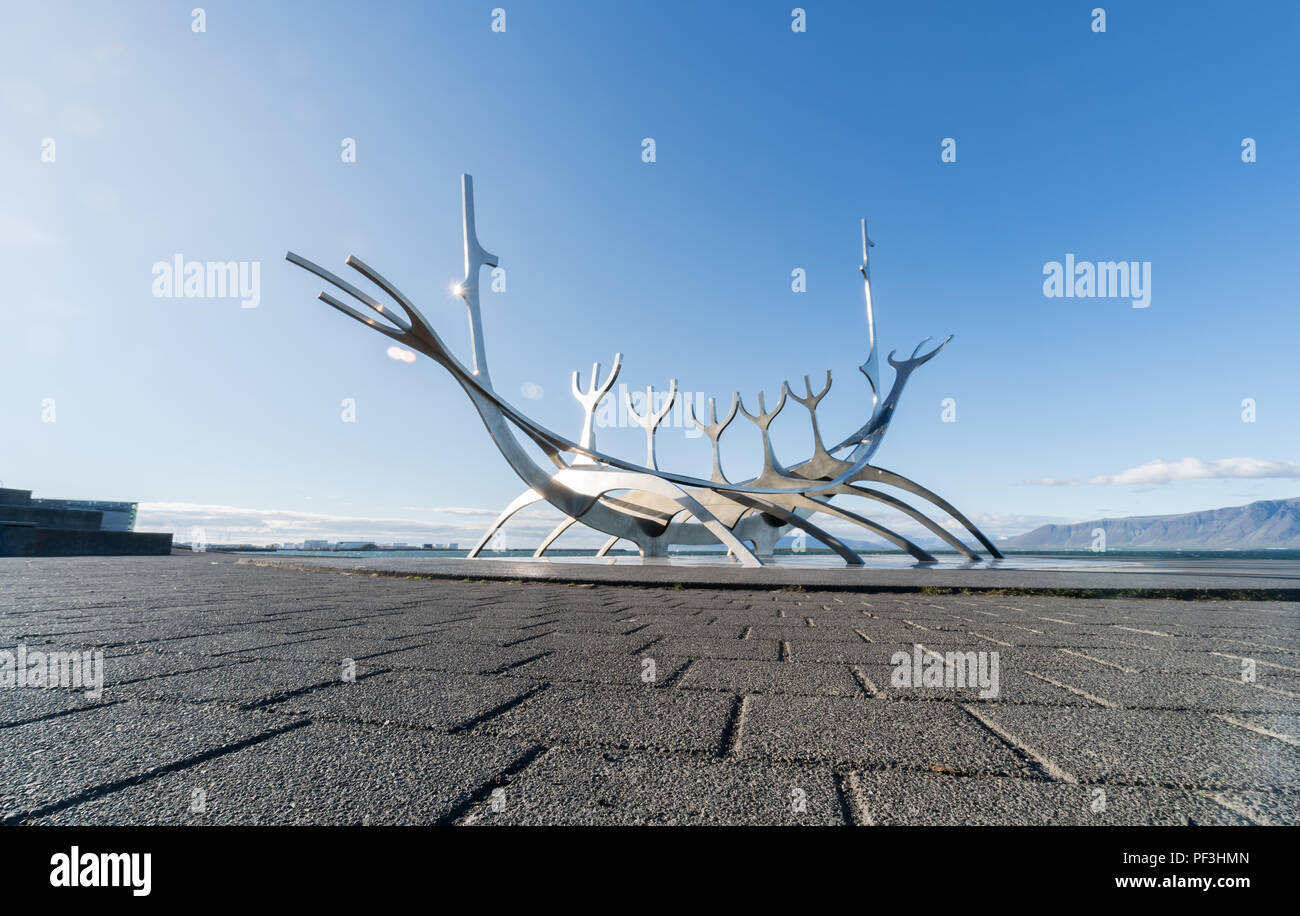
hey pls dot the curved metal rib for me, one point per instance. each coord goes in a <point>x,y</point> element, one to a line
<point>522,501</point>
<point>550,538</point>
<point>897,480</point>
<point>817,505</point>
<point>849,555</point>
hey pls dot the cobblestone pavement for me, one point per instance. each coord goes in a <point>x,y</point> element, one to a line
<point>226,700</point>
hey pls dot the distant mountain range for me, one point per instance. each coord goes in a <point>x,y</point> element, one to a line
<point>1267,523</point>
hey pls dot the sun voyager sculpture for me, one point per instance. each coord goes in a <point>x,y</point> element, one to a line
<point>652,508</point>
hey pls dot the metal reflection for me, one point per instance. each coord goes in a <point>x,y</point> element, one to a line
<point>652,508</point>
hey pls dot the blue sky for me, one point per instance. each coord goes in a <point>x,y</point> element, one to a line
<point>770,146</point>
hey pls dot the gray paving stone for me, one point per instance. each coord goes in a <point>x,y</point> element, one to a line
<point>934,799</point>
<point>433,700</point>
<point>22,705</point>
<point>770,677</point>
<point>633,717</point>
<point>49,762</point>
<point>1185,749</point>
<point>580,787</point>
<point>617,669</point>
<point>326,773</point>
<point>536,688</point>
<point>874,732</point>
<point>239,683</point>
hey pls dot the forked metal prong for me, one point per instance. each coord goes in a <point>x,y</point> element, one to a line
<point>348,310</point>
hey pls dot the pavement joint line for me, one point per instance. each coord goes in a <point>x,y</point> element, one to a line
<point>1143,632</point>
<point>1242,658</point>
<point>500,709</point>
<point>383,652</point>
<point>674,679</point>
<point>459,812</point>
<point>1068,623</point>
<point>987,613</point>
<point>1026,629</point>
<point>655,641</point>
<point>444,622</point>
<point>817,694</point>
<point>540,623</point>
<point>733,734</point>
<point>1098,661</point>
<point>1237,808</point>
<point>914,625</point>
<point>1100,701</point>
<point>519,664</point>
<point>108,788</point>
<point>151,677</point>
<point>852,805</point>
<point>1257,686</point>
<point>867,685</point>
<point>1045,763</point>
<point>301,691</point>
<point>315,629</point>
<point>161,639</point>
<point>992,640</point>
<point>1257,645</point>
<point>274,645</point>
<point>63,712</point>
<point>515,642</point>
<point>1260,730</point>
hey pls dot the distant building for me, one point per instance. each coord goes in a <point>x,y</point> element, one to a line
<point>315,545</point>
<point>116,516</point>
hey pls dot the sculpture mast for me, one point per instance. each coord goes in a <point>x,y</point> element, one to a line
<point>871,368</point>
<point>475,258</point>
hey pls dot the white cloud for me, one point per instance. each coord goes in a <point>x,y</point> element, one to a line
<point>234,524</point>
<point>1160,471</point>
<point>994,525</point>
<point>18,232</point>
<point>24,98</point>
<point>453,510</point>
<point>83,121</point>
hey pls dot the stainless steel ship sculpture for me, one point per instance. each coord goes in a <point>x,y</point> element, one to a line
<point>640,503</point>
